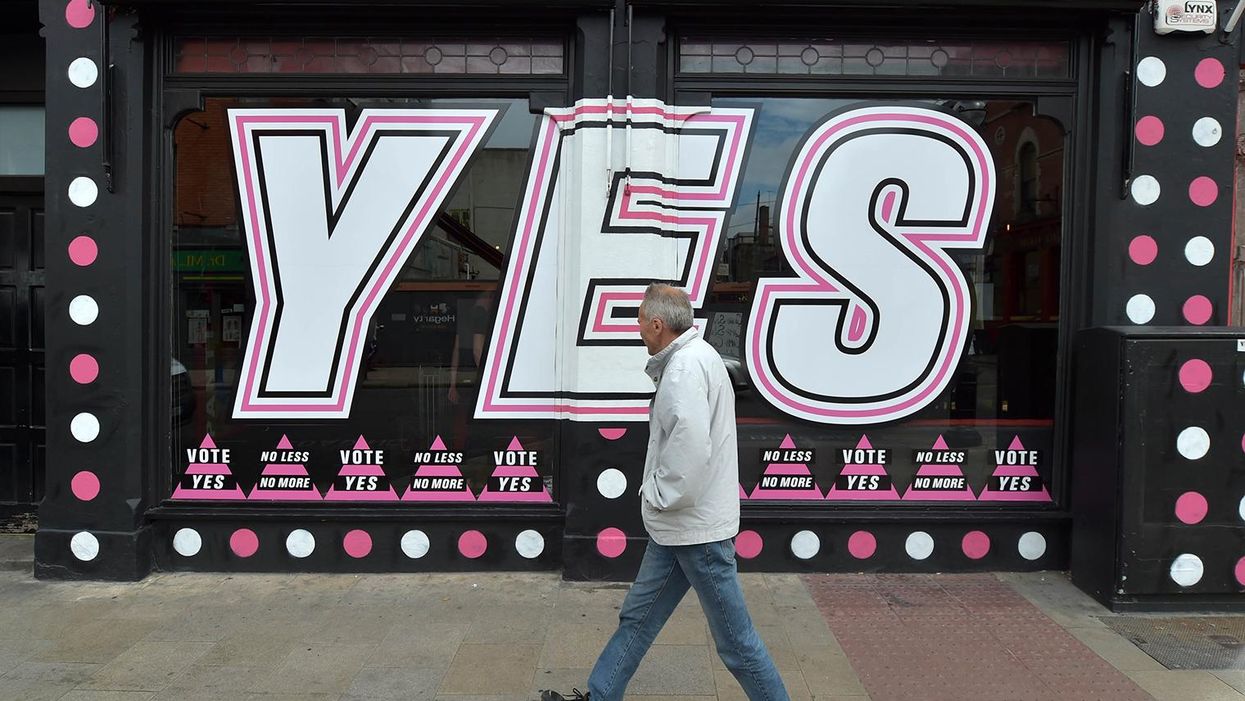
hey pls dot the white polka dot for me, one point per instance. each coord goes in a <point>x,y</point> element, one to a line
<point>1032,545</point>
<point>1140,309</point>
<point>84,427</point>
<point>1199,250</point>
<point>1151,71</point>
<point>1145,190</point>
<point>83,72</point>
<point>530,544</point>
<point>1207,131</point>
<point>83,310</point>
<point>415,544</point>
<point>1187,570</point>
<point>83,191</point>
<point>919,545</point>
<point>187,542</point>
<point>805,545</point>
<point>300,543</point>
<point>84,546</point>
<point>611,483</point>
<point>1193,443</point>
<point>1240,509</point>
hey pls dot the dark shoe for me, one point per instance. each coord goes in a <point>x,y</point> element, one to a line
<point>576,695</point>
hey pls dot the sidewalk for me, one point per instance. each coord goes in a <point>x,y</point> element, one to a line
<point>504,636</point>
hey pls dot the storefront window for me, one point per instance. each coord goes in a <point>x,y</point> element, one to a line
<point>988,438</point>
<point>418,370</point>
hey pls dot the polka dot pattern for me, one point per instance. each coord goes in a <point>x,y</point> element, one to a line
<point>1197,310</point>
<point>611,483</point>
<point>1151,71</point>
<point>1239,571</point>
<point>245,543</point>
<point>84,546</point>
<point>1031,546</point>
<point>83,72</point>
<point>529,544</point>
<point>85,485</point>
<point>1191,508</point>
<point>415,544</point>
<point>1209,73</point>
<point>79,14</point>
<point>84,427</point>
<point>1140,309</point>
<point>1193,443</point>
<point>805,545</point>
<point>187,542</point>
<point>83,191</point>
<point>84,369</point>
<point>748,544</point>
<point>1199,251</point>
<point>1149,130</point>
<point>1187,570</point>
<point>83,310</point>
<point>919,545</point>
<point>83,132</point>
<point>472,544</point>
<point>300,543</point>
<point>357,543</point>
<point>1143,249</point>
<point>1145,190</point>
<point>611,542</point>
<point>975,545</point>
<point>83,251</point>
<point>1207,132</point>
<point>862,545</point>
<point>1203,191</point>
<point>1195,375</point>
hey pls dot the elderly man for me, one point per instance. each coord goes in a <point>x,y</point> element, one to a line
<point>690,503</point>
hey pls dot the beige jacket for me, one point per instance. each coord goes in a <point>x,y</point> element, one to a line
<point>690,490</point>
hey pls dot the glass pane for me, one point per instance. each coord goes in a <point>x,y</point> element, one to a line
<point>1002,392</point>
<point>420,363</point>
<point>21,140</point>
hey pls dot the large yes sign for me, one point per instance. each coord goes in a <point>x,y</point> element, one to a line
<point>874,326</point>
<point>330,220</point>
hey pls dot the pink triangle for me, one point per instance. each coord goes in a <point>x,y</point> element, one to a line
<point>515,444</point>
<point>207,442</point>
<point>787,443</point>
<point>284,444</point>
<point>438,444</point>
<point>940,444</point>
<point>1016,444</point>
<point>361,444</point>
<point>864,443</point>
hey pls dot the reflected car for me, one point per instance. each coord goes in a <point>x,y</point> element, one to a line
<point>183,394</point>
<point>738,373</point>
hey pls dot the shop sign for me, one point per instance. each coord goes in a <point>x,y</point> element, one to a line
<point>1185,16</point>
<point>869,331</point>
<point>209,260</point>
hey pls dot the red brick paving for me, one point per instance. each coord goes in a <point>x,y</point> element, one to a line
<point>959,638</point>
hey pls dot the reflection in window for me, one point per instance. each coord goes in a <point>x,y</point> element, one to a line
<point>1004,384</point>
<point>422,358</point>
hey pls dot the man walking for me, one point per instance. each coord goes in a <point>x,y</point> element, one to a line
<point>689,500</point>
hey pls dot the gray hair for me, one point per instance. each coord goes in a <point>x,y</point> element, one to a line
<point>670,304</point>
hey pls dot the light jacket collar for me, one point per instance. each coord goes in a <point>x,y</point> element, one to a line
<point>657,363</point>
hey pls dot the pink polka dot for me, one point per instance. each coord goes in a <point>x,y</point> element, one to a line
<point>1197,310</point>
<point>357,543</point>
<point>1149,130</point>
<point>1191,508</point>
<point>79,13</point>
<point>611,542</point>
<point>612,434</point>
<point>1203,191</point>
<point>1240,571</point>
<point>1143,249</point>
<point>1209,73</point>
<point>472,544</point>
<point>862,545</point>
<point>244,542</point>
<point>83,369</point>
<point>975,545</point>
<point>85,485</point>
<point>1195,375</point>
<point>748,544</point>
<point>83,132</point>
<point>83,251</point>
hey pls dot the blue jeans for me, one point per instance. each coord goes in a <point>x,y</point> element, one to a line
<point>665,576</point>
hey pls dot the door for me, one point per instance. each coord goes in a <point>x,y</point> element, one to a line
<point>21,356</point>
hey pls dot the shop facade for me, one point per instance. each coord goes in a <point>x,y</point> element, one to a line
<point>334,288</point>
